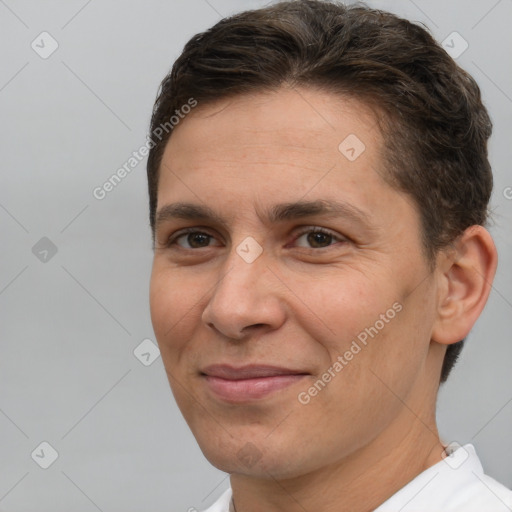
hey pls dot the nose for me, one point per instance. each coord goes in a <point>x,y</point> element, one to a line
<point>245,299</point>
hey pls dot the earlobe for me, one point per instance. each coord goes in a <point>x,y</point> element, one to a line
<point>466,273</point>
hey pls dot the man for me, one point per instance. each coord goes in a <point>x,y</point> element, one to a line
<point>318,189</point>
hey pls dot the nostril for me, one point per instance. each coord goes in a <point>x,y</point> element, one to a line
<point>252,327</point>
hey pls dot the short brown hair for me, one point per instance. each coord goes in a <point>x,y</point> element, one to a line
<point>434,125</point>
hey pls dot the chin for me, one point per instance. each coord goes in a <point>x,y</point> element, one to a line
<point>262,459</point>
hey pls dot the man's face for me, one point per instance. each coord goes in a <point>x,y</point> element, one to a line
<point>251,288</point>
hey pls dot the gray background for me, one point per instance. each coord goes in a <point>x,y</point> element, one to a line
<point>70,325</point>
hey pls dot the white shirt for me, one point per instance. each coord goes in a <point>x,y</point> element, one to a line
<point>455,484</point>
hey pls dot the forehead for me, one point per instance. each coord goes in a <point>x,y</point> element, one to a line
<point>288,135</point>
<point>288,117</point>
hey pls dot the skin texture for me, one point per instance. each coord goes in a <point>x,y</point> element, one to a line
<point>302,302</point>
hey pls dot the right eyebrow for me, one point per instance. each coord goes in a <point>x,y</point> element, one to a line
<point>187,211</point>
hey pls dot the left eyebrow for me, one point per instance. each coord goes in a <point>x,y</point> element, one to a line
<point>320,207</point>
<point>278,213</point>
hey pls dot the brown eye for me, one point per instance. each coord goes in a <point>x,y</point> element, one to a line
<point>318,238</point>
<point>198,239</point>
<point>193,239</point>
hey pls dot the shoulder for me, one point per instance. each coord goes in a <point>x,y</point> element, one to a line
<point>482,492</point>
<point>456,484</point>
<point>471,489</point>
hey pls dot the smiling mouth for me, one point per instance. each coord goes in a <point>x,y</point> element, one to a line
<point>247,383</point>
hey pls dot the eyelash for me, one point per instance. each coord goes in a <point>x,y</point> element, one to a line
<point>173,238</point>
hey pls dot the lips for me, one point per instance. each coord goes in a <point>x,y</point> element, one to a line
<point>248,383</point>
<point>228,372</point>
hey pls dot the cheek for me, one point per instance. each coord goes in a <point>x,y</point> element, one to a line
<point>171,300</point>
<point>160,300</point>
<point>372,324</point>
<point>174,319</point>
<point>349,305</point>
<point>394,337</point>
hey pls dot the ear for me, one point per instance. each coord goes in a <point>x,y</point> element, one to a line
<point>465,275</point>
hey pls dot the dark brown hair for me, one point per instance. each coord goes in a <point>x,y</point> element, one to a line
<point>429,110</point>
